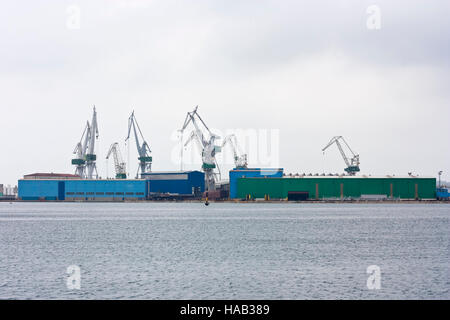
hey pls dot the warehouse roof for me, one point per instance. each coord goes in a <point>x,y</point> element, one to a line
<point>356,177</point>
<point>51,175</point>
<point>168,172</point>
<point>258,169</point>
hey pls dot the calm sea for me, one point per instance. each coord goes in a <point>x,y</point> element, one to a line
<point>224,251</point>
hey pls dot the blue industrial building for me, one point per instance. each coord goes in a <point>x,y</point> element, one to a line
<point>59,187</point>
<point>41,190</point>
<point>442,193</point>
<point>105,189</point>
<point>175,182</point>
<point>251,173</point>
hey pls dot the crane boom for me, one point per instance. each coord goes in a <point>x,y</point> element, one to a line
<point>85,150</point>
<point>119,164</point>
<point>207,146</point>
<point>80,150</point>
<point>91,156</point>
<point>190,118</point>
<point>240,161</point>
<point>193,136</point>
<point>353,162</point>
<point>145,159</point>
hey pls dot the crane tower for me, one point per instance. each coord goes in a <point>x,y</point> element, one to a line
<point>206,143</point>
<point>85,160</point>
<point>80,150</point>
<point>119,164</point>
<point>91,157</point>
<point>145,160</point>
<point>240,158</point>
<point>353,162</point>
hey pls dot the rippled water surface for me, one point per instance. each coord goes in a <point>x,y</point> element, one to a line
<point>224,251</point>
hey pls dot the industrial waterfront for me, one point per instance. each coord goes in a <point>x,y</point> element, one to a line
<point>243,183</point>
<point>225,159</point>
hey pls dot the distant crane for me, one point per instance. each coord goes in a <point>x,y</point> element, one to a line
<point>353,162</point>
<point>119,164</point>
<point>80,151</point>
<point>206,144</point>
<point>145,160</point>
<point>84,150</point>
<point>90,155</point>
<point>240,159</point>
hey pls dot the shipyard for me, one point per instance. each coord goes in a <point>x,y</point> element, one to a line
<point>244,183</point>
<point>225,159</point>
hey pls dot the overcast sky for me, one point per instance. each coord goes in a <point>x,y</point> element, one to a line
<point>310,69</point>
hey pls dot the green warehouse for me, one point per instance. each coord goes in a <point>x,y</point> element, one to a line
<point>337,187</point>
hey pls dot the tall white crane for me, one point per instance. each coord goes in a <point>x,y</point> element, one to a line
<point>119,164</point>
<point>206,144</point>
<point>90,155</point>
<point>80,151</point>
<point>84,150</point>
<point>353,162</point>
<point>240,158</point>
<point>145,160</point>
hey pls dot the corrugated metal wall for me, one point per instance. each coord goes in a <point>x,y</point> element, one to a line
<point>322,188</point>
<point>38,190</point>
<point>251,172</point>
<point>82,189</point>
<point>111,190</point>
<point>183,183</point>
<point>105,189</point>
<point>275,188</point>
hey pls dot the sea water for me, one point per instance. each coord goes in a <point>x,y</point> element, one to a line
<point>224,251</point>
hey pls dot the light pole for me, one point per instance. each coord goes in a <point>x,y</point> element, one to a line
<point>440,173</point>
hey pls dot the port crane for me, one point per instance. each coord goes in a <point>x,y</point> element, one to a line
<point>84,150</point>
<point>80,150</point>
<point>206,143</point>
<point>90,155</point>
<point>119,164</point>
<point>353,162</point>
<point>145,159</point>
<point>240,161</point>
